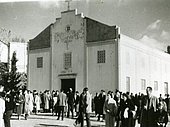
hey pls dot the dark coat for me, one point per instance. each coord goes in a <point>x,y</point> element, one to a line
<point>127,122</point>
<point>101,99</point>
<point>82,103</point>
<point>161,116</point>
<point>77,99</point>
<point>167,100</point>
<point>111,111</point>
<point>96,104</point>
<point>148,115</point>
<point>20,99</point>
<point>9,102</point>
<point>70,98</point>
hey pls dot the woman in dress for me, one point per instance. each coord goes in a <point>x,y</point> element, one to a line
<point>28,103</point>
<point>110,108</point>
<point>47,101</point>
<point>37,102</point>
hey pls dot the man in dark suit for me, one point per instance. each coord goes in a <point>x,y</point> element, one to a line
<point>149,108</point>
<point>9,106</point>
<point>167,100</point>
<point>62,100</point>
<point>101,99</point>
<point>84,108</point>
<point>71,100</point>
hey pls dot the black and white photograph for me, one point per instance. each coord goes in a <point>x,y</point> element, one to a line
<point>84,63</point>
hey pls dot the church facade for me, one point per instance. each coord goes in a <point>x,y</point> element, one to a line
<point>78,52</point>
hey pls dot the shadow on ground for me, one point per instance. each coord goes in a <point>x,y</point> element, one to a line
<point>48,125</point>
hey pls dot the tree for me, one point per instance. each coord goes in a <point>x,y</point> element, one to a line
<point>18,39</point>
<point>11,80</point>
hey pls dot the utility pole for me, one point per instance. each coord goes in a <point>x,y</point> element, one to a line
<point>8,45</point>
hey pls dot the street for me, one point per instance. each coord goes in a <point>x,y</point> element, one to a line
<point>47,120</point>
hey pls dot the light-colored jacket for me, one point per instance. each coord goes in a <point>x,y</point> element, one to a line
<point>37,102</point>
<point>62,99</point>
<point>28,103</point>
<point>46,100</point>
<point>89,103</point>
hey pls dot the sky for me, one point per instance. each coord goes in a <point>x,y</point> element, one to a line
<point>145,20</point>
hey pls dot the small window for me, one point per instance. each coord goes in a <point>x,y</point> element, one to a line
<point>39,62</point>
<point>128,84</point>
<point>166,87</point>
<point>143,84</point>
<point>67,60</point>
<point>155,85</point>
<point>101,56</point>
<point>67,28</point>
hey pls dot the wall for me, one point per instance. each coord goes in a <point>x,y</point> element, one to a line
<point>68,41</point>
<point>102,75</point>
<point>139,61</point>
<point>39,78</point>
<point>3,52</point>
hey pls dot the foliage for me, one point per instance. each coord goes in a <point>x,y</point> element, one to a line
<point>18,39</point>
<point>12,80</point>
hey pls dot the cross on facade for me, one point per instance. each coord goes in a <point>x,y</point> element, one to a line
<point>68,2</point>
<point>67,40</point>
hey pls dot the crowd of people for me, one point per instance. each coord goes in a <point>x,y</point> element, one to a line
<point>125,109</point>
<point>115,108</point>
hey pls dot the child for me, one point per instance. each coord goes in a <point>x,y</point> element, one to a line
<point>161,115</point>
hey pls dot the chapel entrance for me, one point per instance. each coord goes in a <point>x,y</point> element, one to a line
<point>68,83</point>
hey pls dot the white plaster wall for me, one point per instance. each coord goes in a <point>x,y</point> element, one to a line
<point>3,52</point>
<point>102,75</point>
<point>76,46</point>
<point>142,62</point>
<point>39,78</point>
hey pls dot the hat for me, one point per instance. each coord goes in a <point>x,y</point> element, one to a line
<point>124,94</point>
<point>102,91</point>
<point>85,89</point>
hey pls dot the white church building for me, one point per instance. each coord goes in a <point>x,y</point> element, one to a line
<point>77,51</point>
